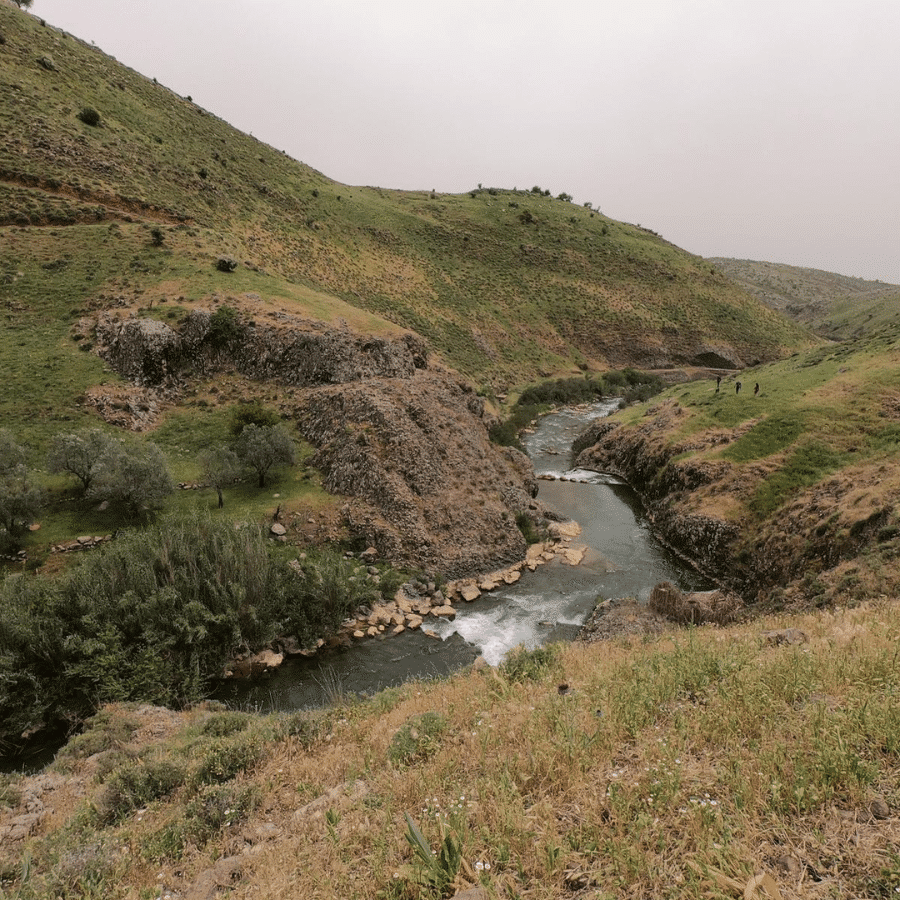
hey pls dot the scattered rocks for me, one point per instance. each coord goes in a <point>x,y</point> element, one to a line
<point>785,636</point>
<point>85,542</point>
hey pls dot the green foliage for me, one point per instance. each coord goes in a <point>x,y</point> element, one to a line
<point>224,327</point>
<point>252,413</point>
<point>418,740</point>
<point>527,527</point>
<point>220,466</point>
<point>261,447</point>
<point>225,758</point>
<point>133,475</point>
<point>78,454</point>
<point>224,724</point>
<point>20,496</point>
<point>772,434</point>
<point>89,116</point>
<point>435,871</point>
<point>134,786</point>
<point>523,665</point>
<point>155,615</point>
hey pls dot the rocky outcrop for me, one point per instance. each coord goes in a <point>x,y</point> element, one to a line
<point>428,488</point>
<point>289,350</point>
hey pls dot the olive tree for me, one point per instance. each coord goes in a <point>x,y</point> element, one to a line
<point>261,447</point>
<point>220,466</point>
<point>78,455</point>
<point>133,475</point>
<point>20,497</point>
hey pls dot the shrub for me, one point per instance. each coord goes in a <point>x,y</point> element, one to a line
<point>226,264</point>
<point>529,665</point>
<point>253,413</point>
<point>224,724</point>
<point>157,237</point>
<point>225,758</point>
<point>224,327</point>
<point>135,786</point>
<point>89,116</point>
<point>418,740</point>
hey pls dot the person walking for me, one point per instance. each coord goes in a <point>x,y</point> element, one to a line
<point>737,387</point>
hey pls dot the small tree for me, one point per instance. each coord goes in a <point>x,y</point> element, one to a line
<point>260,448</point>
<point>20,497</point>
<point>134,476</point>
<point>220,466</point>
<point>78,455</point>
<point>254,413</point>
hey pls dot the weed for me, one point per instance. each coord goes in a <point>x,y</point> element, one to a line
<point>418,740</point>
<point>523,665</point>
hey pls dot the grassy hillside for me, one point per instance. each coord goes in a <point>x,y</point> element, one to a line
<point>506,284</point>
<point>836,306</point>
<point>805,469</point>
<point>715,763</point>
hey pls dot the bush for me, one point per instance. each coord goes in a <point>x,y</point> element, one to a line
<point>226,264</point>
<point>253,413</point>
<point>224,759</point>
<point>529,665</point>
<point>135,786</point>
<point>224,327</point>
<point>418,740</point>
<point>89,116</point>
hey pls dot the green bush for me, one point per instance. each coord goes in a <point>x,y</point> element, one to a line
<point>529,665</point>
<point>135,786</point>
<point>224,327</point>
<point>418,740</point>
<point>155,615</point>
<point>225,758</point>
<point>253,413</point>
<point>89,116</point>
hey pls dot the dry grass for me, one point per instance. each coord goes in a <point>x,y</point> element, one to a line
<point>680,766</point>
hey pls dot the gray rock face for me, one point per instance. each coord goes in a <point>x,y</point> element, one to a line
<point>292,351</point>
<point>429,488</point>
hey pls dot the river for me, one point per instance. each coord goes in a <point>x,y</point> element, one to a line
<point>549,604</point>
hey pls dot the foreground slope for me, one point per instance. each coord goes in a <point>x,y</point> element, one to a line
<point>755,760</point>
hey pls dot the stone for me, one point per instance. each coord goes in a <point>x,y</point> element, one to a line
<point>573,555</point>
<point>278,529</point>
<point>265,662</point>
<point>785,636</point>
<point>697,608</point>
<point>512,576</point>
<point>447,611</point>
<point>469,592</point>
<point>879,809</point>
<point>414,622</point>
<point>564,530</point>
<point>398,629</point>
<point>359,634</point>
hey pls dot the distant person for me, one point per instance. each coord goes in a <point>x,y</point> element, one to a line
<point>756,389</point>
<point>718,382</point>
<point>737,387</point>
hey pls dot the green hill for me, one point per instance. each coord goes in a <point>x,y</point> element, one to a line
<point>836,306</point>
<point>506,285</point>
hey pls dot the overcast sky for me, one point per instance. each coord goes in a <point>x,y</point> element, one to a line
<point>759,129</point>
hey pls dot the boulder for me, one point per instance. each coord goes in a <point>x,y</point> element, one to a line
<point>469,592</point>
<point>697,608</point>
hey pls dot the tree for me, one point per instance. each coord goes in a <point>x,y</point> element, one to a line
<point>78,454</point>
<point>220,466</point>
<point>23,4</point>
<point>20,497</point>
<point>262,447</point>
<point>133,475</point>
<point>254,411</point>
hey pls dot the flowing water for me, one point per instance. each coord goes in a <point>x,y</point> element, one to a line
<point>550,604</point>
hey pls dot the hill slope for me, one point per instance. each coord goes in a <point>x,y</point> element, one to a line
<point>789,494</point>
<point>837,306</point>
<point>505,284</point>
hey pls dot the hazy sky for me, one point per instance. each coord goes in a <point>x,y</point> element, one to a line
<point>761,129</point>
